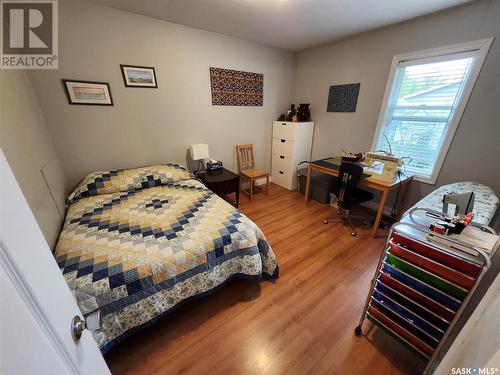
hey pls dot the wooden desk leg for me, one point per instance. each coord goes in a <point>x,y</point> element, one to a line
<point>308,183</point>
<point>403,198</point>
<point>380,212</point>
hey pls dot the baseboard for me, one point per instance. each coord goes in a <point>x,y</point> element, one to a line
<point>262,181</point>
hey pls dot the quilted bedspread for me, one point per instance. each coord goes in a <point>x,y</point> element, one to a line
<point>137,242</point>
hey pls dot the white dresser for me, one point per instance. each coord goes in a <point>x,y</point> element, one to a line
<point>292,143</point>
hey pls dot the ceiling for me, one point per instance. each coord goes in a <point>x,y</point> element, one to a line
<point>290,24</point>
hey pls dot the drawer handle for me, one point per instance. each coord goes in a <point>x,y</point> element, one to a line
<point>282,157</point>
<point>281,172</point>
<point>283,123</point>
<point>282,141</point>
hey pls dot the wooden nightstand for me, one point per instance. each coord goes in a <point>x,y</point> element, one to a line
<point>222,182</point>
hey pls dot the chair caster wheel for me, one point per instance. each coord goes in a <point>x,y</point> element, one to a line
<point>325,221</point>
<point>354,234</point>
<point>358,331</point>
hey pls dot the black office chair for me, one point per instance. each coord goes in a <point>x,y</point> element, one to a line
<point>348,194</point>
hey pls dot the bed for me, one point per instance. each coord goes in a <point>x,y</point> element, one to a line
<point>137,243</point>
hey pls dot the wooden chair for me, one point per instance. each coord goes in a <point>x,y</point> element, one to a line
<point>246,169</point>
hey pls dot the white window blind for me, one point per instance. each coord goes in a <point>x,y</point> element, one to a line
<point>421,105</point>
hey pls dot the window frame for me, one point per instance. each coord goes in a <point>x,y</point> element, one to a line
<point>482,47</point>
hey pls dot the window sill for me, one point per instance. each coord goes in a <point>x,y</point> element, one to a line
<point>424,179</point>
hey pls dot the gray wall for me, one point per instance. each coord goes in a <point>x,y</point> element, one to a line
<point>154,125</point>
<point>28,147</point>
<point>367,58</point>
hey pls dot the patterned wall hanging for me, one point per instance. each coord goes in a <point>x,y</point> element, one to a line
<point>343,98</point>
<point>235,87</point>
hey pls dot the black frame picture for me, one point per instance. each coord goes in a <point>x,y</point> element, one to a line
<point>343,98</point>
<point>138,69</point>
<point>86,98</point>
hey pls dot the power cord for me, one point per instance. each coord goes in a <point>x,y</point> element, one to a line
<point>396,201</point>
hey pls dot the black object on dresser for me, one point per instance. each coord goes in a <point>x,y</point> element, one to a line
<point>221,182</point>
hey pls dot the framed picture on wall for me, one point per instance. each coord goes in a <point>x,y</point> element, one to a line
<point>139,76</point>
<point>87,92</point>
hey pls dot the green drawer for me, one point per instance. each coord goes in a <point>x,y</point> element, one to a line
<point>427,277</point>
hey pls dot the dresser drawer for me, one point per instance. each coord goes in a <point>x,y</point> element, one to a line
<point>284,178</point>
<point>283,147</point>
<point>283,163</point>
<point>284,130</point>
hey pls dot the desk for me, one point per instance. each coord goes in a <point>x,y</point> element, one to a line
<point>367,181</point>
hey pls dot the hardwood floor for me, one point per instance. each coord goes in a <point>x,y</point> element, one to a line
<point>303,323</point>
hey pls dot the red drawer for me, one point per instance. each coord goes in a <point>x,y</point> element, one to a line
<point>432,266</point>
<point>418,297</point>
<point>449,260</point>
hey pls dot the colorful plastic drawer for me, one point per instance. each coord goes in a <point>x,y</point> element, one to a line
<point>404,323</point>
<point>423,288</point>
<point>413,306</point>
<point>412,339</point>
<point>396,336</point>
<point>409,315</point>
<point>432,266</point>
<point>412,293</point>
<point>427,277</point>
<point>437,255</point>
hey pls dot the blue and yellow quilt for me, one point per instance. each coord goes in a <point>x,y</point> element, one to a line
<point>137,242</point>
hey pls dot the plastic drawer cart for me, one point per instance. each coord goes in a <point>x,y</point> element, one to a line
<point>420,288</point>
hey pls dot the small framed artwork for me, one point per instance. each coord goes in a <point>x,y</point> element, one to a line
<point>88,92</point>
<point>139,76</point>
<point>343,98</point>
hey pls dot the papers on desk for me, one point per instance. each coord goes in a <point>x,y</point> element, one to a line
<point>384,171</point>
<point>377,168</point>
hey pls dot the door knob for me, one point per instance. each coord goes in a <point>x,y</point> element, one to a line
<point>92,322</point>
<point>77,327</point>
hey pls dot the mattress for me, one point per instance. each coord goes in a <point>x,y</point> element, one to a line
<point>138,242</point>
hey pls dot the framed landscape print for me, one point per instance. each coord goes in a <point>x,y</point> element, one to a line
<point>139,76</point>
<point>88,92</point>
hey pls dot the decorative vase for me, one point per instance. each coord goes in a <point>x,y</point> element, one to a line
<point>291,112</point>
<point>303,113</point>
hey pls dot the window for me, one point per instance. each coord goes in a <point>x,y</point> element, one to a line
<point>424,100</point>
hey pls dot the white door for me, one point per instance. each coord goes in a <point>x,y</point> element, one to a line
<point>36,305</point>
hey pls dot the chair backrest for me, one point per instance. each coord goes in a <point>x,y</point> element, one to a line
<point>349,176</point>
<point>245,157</point>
